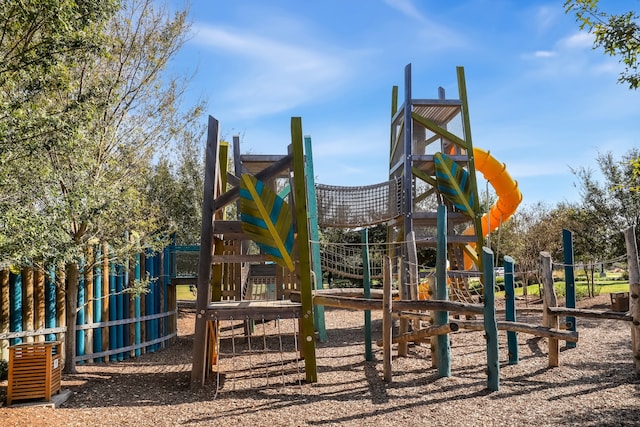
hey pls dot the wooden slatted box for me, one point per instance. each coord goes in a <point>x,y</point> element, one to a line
<point>35,371</point>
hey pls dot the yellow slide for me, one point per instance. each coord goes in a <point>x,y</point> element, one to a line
<point>509,196</point>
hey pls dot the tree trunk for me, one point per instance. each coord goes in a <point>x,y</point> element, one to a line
<point>71,311</point>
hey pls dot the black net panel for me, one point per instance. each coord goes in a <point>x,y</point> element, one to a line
<point>352,207</point>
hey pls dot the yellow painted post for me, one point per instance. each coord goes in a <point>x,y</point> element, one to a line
<point>303,270</point>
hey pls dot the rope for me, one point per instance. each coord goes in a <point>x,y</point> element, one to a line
<point>352,207</point>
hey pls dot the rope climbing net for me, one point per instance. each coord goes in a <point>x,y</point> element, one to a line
<point>351,207</point>
<point>346,260</point>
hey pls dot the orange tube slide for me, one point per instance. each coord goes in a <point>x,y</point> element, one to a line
<point>509,196</point>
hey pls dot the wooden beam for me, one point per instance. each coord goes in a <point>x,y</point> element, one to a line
<point>420,334</point>
<point>266,174</point>
<point>593,314</point>
<point>537,330</point>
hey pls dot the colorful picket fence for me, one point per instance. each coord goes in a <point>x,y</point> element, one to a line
<point>112,324</point>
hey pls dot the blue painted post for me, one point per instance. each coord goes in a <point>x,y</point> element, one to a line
<point>50,302</point>
<point>165,286</point>
<point>136,307</point>
<point>15,292</point>
<point>113,330</point>
<point>126,301</point>
<point>158,299</point>
<point>569,279</point>
<point>81,316</point>
<point>490,324</point>
<point>366,282</point>
<point>119,310</point>
<point>148,302</point>
<point>510,315</point>
<point>314,235</point>
<point>97,304</point>
<point>442,317</point>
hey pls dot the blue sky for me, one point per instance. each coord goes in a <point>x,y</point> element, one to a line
<point>540,98</point>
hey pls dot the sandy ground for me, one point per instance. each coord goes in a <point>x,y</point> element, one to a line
<point>261,382</point>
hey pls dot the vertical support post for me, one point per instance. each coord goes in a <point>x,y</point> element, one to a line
<point>106,299</point>
<point>148,302</point>
<point>27,301</point>
<point>212,167</point>
<point>50,301</point>
<point>442,317</point>
<point>490,323</point>
<point>39,300</point>
<point>550,300</point>
<point>136,308</point>
<point>113,313</point>
<point>97,303</point>
<point>569,279</point>
<point>61,319</point>
<point>89,293</point>
<point>407,197</point>
<point>387,322</point>
<point>119,310</point>
<point>5,312</point>
<point>81,316</point>
<point>634,293</point>
<point>318,310</point>
<point>366,283</point>
<point>303,266</point>
<point>15,290</point>
<point>510,306</point>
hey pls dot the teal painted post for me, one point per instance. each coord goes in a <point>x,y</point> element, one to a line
<point>510,306</point>
<point>15,292</point>
<point>113,330</point>
<point>50,302</point>
<point>119,310</point>
<point>126,301</point>
<point>97,303</point>
<point>156,299</point>
<point>81,316</point>
<point>318,310</point>
<point>136,307</point>
<point>569,279</point>
<point>148,302</point>
<point>442,317</point>
<point>490,324</point>
<point>366,282</point>
<point>165,285</point>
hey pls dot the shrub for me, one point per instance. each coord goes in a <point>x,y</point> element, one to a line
<point>4,369</point>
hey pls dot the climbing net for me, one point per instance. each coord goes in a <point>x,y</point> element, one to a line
<point>350,207</point>
<point>346,260</point>
<point>256,354</point>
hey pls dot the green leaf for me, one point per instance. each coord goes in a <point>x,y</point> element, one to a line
<point>454,184</point>
<point>267,220</point>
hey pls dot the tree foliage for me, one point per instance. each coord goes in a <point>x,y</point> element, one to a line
<point>617,34</point>
<point>112,107</point>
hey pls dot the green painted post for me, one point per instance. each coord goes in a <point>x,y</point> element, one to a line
<point>303,269</point>
<point>569,279</point>
<point>318,310</point>
<point>366,282</point>
<point>510,306</point>
<point>490,324</point>
<point>442,317</point>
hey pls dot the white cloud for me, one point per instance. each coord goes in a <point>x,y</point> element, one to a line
<point>580,40</point>
<point>544,54</point>
<point>270,75</point>
<point>407,8</point>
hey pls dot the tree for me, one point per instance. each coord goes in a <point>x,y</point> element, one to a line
<point>619,35</point>
<point>93,183</point>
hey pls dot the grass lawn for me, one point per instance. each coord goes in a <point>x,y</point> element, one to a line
<point>601,287</point>
<point>184,293</point>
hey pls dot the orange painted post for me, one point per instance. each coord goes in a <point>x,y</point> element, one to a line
<point>27,302</point>
<point>4,312</point>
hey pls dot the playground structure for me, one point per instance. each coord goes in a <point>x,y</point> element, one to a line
<point>431,199</point>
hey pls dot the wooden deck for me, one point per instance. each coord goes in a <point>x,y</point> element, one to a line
<point>257,310</point>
